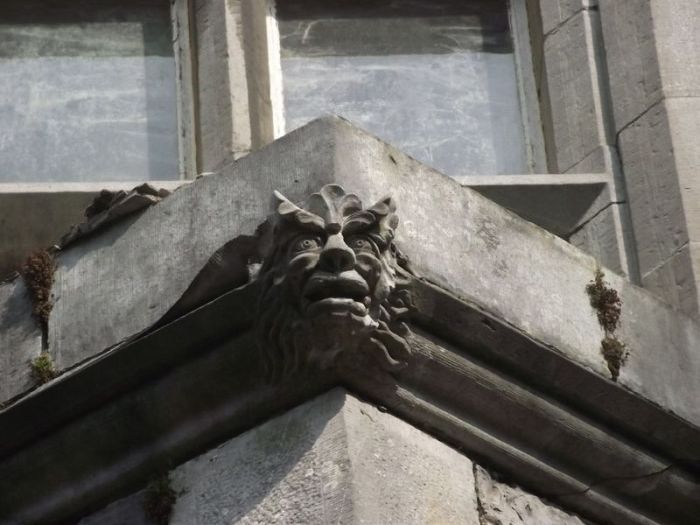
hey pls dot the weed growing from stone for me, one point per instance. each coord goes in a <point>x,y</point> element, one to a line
<point>43,369</point>
<point>159,499</point>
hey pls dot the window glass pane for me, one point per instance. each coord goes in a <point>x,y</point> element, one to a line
<point>435,77</point>
<point>87,91</point>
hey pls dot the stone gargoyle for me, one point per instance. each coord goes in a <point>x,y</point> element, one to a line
<point>332,286</point>
<point>330,293</point>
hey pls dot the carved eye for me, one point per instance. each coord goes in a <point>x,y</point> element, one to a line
<point>306,243</point>
<point>361,244</point>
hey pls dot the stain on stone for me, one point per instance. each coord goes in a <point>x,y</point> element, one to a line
<point>159,500</point>
<point>487,232</point>
<point>608,307</point>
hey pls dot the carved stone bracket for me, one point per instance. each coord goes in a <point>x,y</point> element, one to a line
<point>331,292</point>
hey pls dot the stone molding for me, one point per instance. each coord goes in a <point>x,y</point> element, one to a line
<point>552,426</point>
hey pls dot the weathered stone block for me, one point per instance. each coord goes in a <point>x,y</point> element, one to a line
<point>568,59</point>
<point>599,237</point>
<point>332,460</point>
<point>556,12</point>
<point>653,188</point>
<point>684,123</point>
<point>222,92</point>
<point>678,46</point>
<point>674,281</point>
<point>630,50</point>
<point>594,162</point>
<point>20,339</point>
<point>501,504</point>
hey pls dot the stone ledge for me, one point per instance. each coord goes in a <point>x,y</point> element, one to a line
<point>516,409</point>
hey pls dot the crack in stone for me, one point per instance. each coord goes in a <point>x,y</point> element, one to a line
<point>635,119</point>
<point>561,24</point>
<point>667,259</point>
<point>595,484</point>
<point>479,506</point>
<point>582,225</point>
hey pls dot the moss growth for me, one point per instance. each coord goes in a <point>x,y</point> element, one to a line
<point>606,302</point>
<point>159,500</point>
<point>608,306</point>
<point>43,369</point>
<point>615,355</point>
<point>38,272</point>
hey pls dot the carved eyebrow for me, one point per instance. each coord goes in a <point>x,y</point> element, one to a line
<point>303,219</point>
<point>307,221</point>
<point>359,222</point>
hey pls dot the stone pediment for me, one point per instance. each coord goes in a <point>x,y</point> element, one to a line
<point>157,329</point>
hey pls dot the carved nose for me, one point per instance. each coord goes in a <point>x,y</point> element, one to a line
<point>336,255</point>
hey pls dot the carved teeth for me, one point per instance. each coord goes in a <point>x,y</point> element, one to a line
<point>336,304</point>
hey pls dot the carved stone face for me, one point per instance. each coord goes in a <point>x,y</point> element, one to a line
<point>329,276</point>
<point>337,269</point>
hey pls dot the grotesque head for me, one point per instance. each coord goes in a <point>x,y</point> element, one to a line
<point>329,284</point>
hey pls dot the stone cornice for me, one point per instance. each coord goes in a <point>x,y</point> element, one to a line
<point>503,398</point>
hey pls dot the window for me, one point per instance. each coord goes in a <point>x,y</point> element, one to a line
<point>88,92</point>
<point>441,79</point>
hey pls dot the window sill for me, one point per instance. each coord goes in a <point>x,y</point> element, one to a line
<point>557,203</point>
<point>35,215</point>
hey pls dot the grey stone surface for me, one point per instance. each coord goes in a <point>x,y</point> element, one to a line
<point>334,459</point>
<point>556,12</point>
<point>684,123</point>
<point>594,162</point>
<point>674,281</point>
<point>633,66</point>
<point>598,237</point>
<point>657,196</point>
<point>222,94</point>
<point>671,381</point>
<point>572,92</point>
<point>678,46</point>
<point>513,269</point>
<point>502,504</point>
<point>20,339</point>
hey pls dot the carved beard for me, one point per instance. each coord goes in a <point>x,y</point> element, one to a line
<point>293,343</point>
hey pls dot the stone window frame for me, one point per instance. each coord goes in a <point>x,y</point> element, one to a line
<point>525,77</point>
<point>229,81</point>
<point>25,227</point>
<point>182,41</point>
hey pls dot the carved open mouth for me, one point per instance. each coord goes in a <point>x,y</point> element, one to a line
<point>342,292</point>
